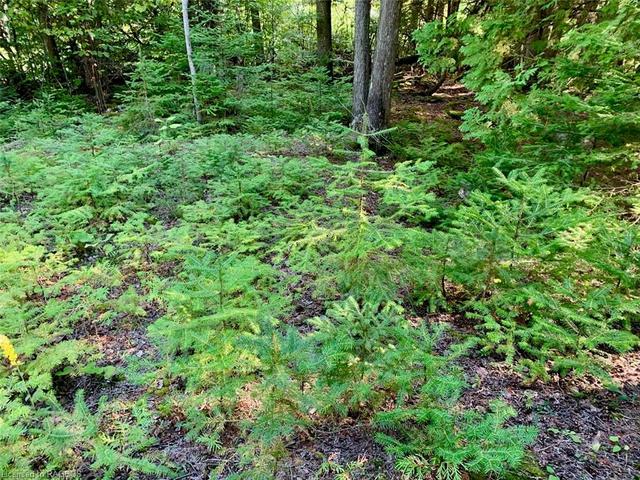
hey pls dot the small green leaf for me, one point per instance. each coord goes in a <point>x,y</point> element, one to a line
<point>576,438</point>
<point>614,438</point>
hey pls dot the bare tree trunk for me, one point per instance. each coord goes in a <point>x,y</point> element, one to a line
<point>323,31</point>
<point>93,80</point>
<point>379,100</point>
<point>192,68</point>
<point>361,62</point>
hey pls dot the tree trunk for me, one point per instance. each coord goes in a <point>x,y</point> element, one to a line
<point>412,23</point>
<point>323,31</point>
<point>379,100</point>
<point>455,7</point>
<point>361,62</point>
<point>192,68</point>
<point>56,68</point>
<point>53,54</point>
<point>429,13</point>
<point>93,79</point>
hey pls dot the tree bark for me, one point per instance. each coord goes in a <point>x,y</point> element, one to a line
<point>323,32</point>
<point>429,13</point>
<point>56,68</point>
<point>379,100</point>
<point>192,68</point>
<point>455,7</point>
<point>414,11</point>
<point>93,79</point>
<point>361,62</point>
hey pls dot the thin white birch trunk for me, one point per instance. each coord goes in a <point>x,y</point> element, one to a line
<point>192,68</point>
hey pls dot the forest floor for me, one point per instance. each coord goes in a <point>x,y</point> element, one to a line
<point>578,420</point>
<point>575,417</point>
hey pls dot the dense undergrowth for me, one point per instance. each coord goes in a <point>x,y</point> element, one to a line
<point>216,233</point>
<point>206,237</point>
